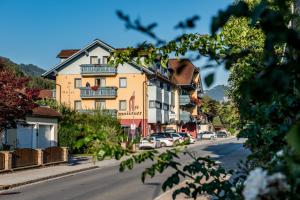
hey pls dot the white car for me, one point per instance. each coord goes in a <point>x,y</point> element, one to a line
<point>164,138</point>
<point>208,135</point>
<point>177,137</point>
<point>149,143</point>
<point>192,140</point>
<point>187,137</point>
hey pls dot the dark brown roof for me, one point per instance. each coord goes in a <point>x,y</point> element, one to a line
<point>46,94</point>
<point>182,71</point>
<point>43,111</point>
<point>66,53</point>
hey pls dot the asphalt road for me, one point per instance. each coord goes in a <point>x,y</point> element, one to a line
<point>109,184</point>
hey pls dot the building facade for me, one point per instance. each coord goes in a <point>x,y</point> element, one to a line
<point>145,99</point>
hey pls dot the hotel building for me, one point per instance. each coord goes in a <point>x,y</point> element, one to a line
<point>150,99</point>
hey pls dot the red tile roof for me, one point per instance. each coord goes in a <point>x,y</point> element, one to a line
<point>182,71</point>
<point>65,53</point>
<point>46,94</point>
<point>43,111</point>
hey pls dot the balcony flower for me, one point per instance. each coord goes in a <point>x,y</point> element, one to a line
<point>95,87</point>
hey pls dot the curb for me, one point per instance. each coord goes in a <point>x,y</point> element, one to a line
<point>6,187</point>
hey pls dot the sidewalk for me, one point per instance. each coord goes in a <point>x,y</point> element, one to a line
<point>77,164</point>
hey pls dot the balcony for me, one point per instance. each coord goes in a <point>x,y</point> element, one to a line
<point>101,93</point>
<point>98,69</point>
<point>112,112</point>
<point>185,116</point>
<point>185,100</point>
<point>154,93</point>
<point>154,115</point>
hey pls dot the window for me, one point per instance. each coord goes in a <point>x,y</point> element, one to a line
<point>161,85</point>
<point>77,105</point>
<point>77,83</point>
<point>100,104</point>
<point>151,104</point>
<point>158,105</point>
<point>122,105</point>
<point>94,60</point>
<point>123,82</point>
<point>166,107</point>
<point>105,60</point>
<point>101,82</point>
<point>168,88</point>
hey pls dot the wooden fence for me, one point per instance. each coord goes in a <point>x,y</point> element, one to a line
<point>2,161</point>
<point>52,155</point>
<point>27,158</point>
<point>24,157</point>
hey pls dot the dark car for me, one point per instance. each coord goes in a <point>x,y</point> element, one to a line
<point>221,134</point>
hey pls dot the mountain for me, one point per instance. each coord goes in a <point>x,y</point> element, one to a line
<point>30,70</point>
<point>217,93</point>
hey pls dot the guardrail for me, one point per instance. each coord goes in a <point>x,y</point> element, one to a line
<point>99,69</point>
<point>102,92</point>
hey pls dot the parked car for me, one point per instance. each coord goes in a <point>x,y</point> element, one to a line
<point>221,134</point>
<point>177,138</point>
<point>208,135</point>
<point>165,139</point>
<point>187,137</point>
<point>149,143</point>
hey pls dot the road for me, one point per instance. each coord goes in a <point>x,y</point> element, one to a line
<point>109,184</point>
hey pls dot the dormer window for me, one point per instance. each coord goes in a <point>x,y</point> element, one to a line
<point>94,60</point>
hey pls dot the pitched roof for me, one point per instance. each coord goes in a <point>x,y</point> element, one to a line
<point>43,111</point>
<point>109,48</point>
<point>182,71</point>
<point>66,53</point>
<point>46,94</point>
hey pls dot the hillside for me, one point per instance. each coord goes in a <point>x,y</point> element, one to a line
<point>30,70</point>
<point>217,93</point>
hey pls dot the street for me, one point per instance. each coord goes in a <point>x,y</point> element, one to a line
<point>108,183</point>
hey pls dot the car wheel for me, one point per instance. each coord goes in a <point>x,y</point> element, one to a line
<point>163,144</point>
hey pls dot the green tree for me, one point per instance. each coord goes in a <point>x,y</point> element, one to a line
<point>86,133</point>
<point>253,39</point>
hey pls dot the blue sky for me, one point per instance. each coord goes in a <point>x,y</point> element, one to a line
<point>34,31</point>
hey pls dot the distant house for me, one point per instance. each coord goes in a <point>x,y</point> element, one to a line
<point>41,131</point>
<point>47,94</point>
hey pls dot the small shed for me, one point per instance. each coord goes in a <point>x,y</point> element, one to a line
<point>40,131</point>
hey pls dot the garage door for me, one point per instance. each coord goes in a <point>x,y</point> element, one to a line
<point>25,136</point>
<point>44,136</point>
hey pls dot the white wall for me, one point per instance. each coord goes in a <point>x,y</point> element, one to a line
<point>73,67</point>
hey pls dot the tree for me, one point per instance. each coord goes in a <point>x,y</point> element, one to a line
<point>209,107</point>
<point>229,116</point>
<point>16,101</point>
<point>86,132</point>
<point>257,42</point>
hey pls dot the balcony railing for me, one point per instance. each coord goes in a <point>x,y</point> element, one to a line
<point>112,112</point>
<point>102,92</point>
<point>185,100</point>
<point>185,116</point>
<point>98,69</point>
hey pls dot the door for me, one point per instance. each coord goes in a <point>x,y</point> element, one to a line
<point>25,136</point>
<point>44,136</point>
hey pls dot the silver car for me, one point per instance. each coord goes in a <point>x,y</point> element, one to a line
<point>149,143</point>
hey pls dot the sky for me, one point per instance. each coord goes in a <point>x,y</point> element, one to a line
<point>34,31</point>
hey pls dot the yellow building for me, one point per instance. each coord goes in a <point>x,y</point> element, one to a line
<point>143,98</point>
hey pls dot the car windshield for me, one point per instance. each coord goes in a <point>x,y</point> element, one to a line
<point>183,134</point>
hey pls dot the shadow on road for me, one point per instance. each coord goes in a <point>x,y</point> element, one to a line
<point>76,160</point>
<point>232,152</point>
